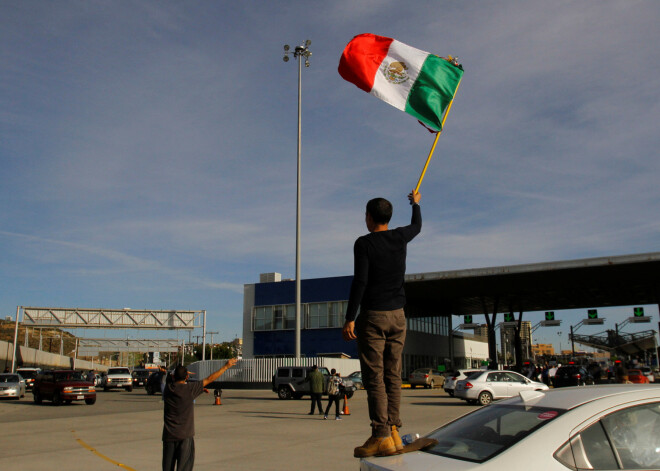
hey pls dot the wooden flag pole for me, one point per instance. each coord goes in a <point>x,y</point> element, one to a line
<point>437,136</point>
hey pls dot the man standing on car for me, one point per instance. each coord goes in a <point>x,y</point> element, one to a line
<point>179,417</point>
<point>380,329</point>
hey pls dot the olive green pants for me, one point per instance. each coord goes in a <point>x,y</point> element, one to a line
<point>380,338</point>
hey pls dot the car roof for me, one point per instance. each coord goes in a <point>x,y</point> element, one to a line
<point>572,397</point>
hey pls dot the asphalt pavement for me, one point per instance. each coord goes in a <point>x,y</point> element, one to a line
<point>251,430</point>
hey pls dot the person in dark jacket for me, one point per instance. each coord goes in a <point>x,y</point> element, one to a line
<point>179,417</point>
<point>380,329</point>
<point>316,385</point>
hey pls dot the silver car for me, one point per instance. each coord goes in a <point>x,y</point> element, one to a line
<point>12,385</point>
<point>486,386</point>
<point>453,378</point>
<point>597,427</point>
<point>427,377</point>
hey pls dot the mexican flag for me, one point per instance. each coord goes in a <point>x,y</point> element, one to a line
<point>414,81</point>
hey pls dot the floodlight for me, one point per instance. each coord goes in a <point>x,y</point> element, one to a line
<point>308,43</point>
<point>286,47</point>
<point>285,58</point>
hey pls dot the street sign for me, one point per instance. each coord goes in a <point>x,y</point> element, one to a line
<point>509,324</point>
<point>638,312</point>
<point>550,316</point>
<point>469,326</point>
<point>552,323</point>
<point>508,317</point>
<point>592,321</point>
<point>467,319</point>
<point>639,320</point>
<point>592,313</point>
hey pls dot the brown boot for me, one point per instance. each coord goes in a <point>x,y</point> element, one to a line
<point>375,446</point>
<point>398,444</point>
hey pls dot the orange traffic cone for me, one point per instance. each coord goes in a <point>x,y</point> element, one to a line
<point>346,411</point>
<point>217,401</point>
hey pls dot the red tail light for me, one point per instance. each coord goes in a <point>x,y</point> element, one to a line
<point>577,376</point>
<point>426,376</point>
<point>454,378</point>
<point>468,385</point>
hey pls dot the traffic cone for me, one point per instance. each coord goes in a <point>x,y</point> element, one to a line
<point>217,401</point>
<point>346,411</point>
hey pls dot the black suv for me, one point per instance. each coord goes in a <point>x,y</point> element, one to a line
<point>289,381</point>
<point>572,375</point>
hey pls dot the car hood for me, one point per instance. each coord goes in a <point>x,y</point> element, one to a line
<point>415,461</point>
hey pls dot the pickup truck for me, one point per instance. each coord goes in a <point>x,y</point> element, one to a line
<point>63,386</point>
<point>117,378</point>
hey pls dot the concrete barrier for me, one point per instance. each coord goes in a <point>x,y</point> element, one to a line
<point>33,358</point>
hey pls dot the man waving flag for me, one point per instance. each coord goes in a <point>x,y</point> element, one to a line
<point>421,84</point>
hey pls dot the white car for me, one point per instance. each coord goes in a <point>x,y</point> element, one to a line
<point>452,378</point>
<point>598,427</point>
<point>486,386</point>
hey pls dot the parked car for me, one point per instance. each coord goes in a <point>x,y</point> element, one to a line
<point>117,377</point>
<point>485,387</point>
<point>427,377</point>
<point>63,386</point>
<point>452,378</point>
<point>12,385</point>
<point>648,372</point>
<point>356,378</point>
<point>600,427</point>
<point>289,382</point>
<point>572,375</point>
<point>29,375</point>
<point>140,377</point>
<point>636,376</point>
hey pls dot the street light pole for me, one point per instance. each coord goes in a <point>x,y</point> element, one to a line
<point>299,51</point>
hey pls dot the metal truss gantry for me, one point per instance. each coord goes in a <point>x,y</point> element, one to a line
<point>111,318</point>
<point>92,347</point>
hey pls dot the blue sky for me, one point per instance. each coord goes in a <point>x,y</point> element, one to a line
<point>148,148</point>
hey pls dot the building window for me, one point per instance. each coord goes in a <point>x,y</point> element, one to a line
<point>314,316</point>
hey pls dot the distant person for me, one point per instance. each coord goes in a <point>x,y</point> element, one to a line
<point>316,385</point>
<point>335,384</point>
<point>91,377</point>
<point>380,329</point>
<point>620,372</point>
<point>179,417</point>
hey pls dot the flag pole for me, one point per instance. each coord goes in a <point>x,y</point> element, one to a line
<point>437,136</point>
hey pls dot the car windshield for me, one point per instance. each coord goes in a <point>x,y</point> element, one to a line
<point>487,432</point>
<point>28,374</point>
<point>141,374</point>
<point>422,371</point>
<point>69,376</point>
<point>118,371</point>
<point>9,379</point>
<point>473,374</point>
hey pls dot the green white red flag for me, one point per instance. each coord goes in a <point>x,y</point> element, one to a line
<point>414,81</point>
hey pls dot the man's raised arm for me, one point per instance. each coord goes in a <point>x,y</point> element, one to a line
<point>213,376</point>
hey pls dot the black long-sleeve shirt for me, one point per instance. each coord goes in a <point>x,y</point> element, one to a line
<point>380,266</point>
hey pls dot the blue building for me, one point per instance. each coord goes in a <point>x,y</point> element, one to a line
<point>269,321</point>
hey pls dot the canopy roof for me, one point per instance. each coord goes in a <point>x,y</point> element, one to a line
<point>624,280</point>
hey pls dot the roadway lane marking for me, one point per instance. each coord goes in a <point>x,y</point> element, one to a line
<point>100,455</point>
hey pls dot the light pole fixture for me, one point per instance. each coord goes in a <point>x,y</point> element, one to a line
<point>299,53</point>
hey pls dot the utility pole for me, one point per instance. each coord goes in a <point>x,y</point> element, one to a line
<point>212,343</point>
